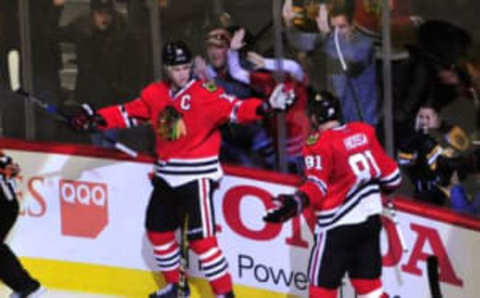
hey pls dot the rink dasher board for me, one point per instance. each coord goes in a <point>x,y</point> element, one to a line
<point>86,213</point>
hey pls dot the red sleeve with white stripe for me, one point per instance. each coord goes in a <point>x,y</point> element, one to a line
<point>317,168</point>
<point>126,115</point>
<point>227,108</point>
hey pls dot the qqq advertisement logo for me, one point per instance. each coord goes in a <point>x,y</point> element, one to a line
<point>84,208</point>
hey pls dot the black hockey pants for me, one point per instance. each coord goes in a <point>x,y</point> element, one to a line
<point>12,272</point>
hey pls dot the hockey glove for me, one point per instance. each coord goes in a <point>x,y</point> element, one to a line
<point>288,206</point>
<point>281,97</point>
<point>87,119</point>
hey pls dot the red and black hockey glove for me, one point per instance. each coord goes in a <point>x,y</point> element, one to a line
<point>287,206</point>
<point>87,119</point>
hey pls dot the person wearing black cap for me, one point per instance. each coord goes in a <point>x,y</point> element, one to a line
<point>102,13</point>
<point>239,142</point>
<point>100,40</point>
<point>186,114</point>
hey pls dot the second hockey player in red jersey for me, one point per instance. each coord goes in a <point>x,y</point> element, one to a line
<point>346,171</point>
<point>186,114</point>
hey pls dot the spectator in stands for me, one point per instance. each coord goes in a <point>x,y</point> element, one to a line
<point>349,60</point>
<point>216,68</point>
<point>436,160</point>
<point>350,66</point>
<point>261,79</point>
<point>238,140</point>
<point>100,41</point>
<point>434,74</point>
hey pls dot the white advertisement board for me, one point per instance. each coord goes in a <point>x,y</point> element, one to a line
<point>91,210</point>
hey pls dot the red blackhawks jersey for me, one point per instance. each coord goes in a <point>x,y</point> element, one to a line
<point>203,108</point>
<point>346,168</point>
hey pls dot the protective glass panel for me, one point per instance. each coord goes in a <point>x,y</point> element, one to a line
<point>74,52</point>
<point>104,52</point>
<point>436,100</point>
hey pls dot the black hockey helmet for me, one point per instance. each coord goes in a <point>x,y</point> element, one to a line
<point>176,53</point>
<point>324,106</point>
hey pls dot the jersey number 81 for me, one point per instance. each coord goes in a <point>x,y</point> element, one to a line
<point>362,164</point>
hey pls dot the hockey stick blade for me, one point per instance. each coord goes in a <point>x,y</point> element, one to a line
<point>433,280</point>
<point>47,107</point>
<point>390,212</point>
<point>183,279</point>
<point>14,69</point>
<point>121,147</point>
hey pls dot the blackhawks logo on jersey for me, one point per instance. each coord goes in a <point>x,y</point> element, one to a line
<point>210,86</point>
<point>170,125</point>
<point>312,139</point>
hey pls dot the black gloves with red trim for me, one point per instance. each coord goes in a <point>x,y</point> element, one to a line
<point>87,119</point>
<point>287,206</point>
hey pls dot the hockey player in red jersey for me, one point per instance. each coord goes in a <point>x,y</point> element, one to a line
<point>186,114</point>
<point>346,171</point>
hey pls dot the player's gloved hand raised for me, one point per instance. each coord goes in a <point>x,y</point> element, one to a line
<point>87,119</point>
<point>287,206</point>
<point>282,97</point>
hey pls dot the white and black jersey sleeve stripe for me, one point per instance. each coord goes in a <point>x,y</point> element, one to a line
<point>129,121</point>
<point>234,113</point>
<point>322,186</point>
<point>391,181</point>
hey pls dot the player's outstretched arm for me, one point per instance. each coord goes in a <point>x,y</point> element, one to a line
<point>227,108</point>
<point>287,206</point>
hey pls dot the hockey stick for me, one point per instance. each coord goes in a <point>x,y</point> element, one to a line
<point>13,68</point>
<point>433,278</point>
<point>390,212</point>
<point>182,280</point>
